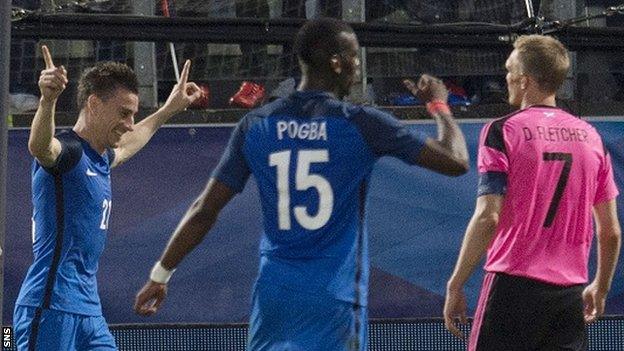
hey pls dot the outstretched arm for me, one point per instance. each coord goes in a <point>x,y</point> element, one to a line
<point>42,144</point>
<point>197,221</point>
<point>183,94</point>
<point>448,154</point>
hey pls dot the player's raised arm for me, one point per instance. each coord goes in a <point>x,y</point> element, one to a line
<point>41,143</point>
<point>182,95</point>
<point>197,221</point>
<point>448,154</point>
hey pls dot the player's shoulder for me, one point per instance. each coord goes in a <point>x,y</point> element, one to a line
<point>71,142</point>
<point>368,114</point>
<point>493,132</point>
<point>284,106</point>
<point>576,119</point>
<point>368,110</point>
<point>512,121</point>
<point>583,124</point>
<point>269,108</point>
<point>329,107</point>
<point>501,121</point>
<point>494,128</point>
<point>69,136</point>
<point>555,116</point>
<point>258,114</point>
<point>356,113</point>
<point>72,150</point>
<point>538,112</point>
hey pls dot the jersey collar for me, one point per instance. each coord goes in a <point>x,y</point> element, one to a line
<point>310,94</point>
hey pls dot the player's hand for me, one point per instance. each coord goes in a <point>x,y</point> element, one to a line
<point>427,89</point>
<point>184,93</point>
<point>53,80</point>
<point>455,309</point>
<point>594,300</point>
<point>150,298</point>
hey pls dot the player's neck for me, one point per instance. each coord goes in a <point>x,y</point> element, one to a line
<point>538,99</point>
<point>88,134</point>
<point>317,83</point>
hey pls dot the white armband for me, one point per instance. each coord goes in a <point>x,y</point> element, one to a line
<point>160,274</point>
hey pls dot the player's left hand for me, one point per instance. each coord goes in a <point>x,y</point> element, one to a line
<point>594,300</point>
<point>428,88</point>
<point>184,93</point>
<point>455,308</point>
<point>150,298</point>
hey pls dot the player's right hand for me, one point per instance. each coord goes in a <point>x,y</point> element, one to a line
<point>428,88</point>
<point>150,298</point>
<point>53,80</point>
<point>455,309</point>
<point>184,93</point>
<point>594,300</point>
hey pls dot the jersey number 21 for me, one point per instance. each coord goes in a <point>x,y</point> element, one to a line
<point>107,206</point>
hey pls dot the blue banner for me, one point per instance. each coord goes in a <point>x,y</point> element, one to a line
<point>417,221</point>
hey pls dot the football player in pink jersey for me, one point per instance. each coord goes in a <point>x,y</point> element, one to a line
<point>542,173</point>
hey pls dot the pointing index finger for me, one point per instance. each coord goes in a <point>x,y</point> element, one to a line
<point>185,72</point>
<point>409,84</point>
<point>47,57</point>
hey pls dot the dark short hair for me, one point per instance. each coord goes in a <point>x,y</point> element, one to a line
<point>103,79</point>
<point>319,39</point>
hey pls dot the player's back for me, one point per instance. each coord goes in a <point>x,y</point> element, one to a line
<point>312,155</point>
<point>556,168</point>
<point>311,165</point>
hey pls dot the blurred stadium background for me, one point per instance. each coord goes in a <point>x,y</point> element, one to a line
<point>416,221</point>
<point>231,41</point>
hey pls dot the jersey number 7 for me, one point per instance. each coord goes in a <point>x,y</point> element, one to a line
<point>561,184</point>
<point>304,180</point>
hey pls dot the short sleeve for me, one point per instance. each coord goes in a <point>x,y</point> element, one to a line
<point>233,169</point>
<point>606,187</point>
<point>387,136</point>
<point>492,155</point>
<point>71,152</point>
<point>492,160</point>
<point>492,183</point>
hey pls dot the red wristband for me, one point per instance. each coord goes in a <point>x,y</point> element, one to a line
<point>436,107</point>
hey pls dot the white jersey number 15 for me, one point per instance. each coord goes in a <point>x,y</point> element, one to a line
<point>304,180</point>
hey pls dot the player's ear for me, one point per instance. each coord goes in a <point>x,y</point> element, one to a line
<point>93,103</point>
<point>524,82</point>
<point>335,64</point>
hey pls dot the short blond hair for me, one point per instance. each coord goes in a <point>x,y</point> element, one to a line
<point>544,58</point>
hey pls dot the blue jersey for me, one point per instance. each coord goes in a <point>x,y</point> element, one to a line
<point>72,204</point>
<point>312,156</point>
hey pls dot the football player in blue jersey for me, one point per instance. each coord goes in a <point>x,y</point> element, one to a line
<point>58,307</point>
<point>312,155</point>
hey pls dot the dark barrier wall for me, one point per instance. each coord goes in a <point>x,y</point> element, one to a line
<point>417,220</point>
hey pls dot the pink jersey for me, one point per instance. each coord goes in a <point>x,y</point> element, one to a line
<point>553,169</point>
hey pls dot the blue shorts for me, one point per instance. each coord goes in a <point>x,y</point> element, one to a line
<point>51,330</point>
<point>283,319</point>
